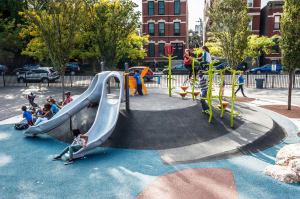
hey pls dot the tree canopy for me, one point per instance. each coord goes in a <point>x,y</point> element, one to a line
<point>229,27</point>
<point>290,40</point>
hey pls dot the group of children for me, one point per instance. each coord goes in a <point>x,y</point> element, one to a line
<point>34,117</point>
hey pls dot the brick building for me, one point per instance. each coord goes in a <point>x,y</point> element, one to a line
<point>166,21</point>
<point>270,26</point>
<point>254,11</point>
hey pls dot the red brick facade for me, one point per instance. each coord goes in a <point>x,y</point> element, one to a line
<point>268,13</point>
<point>254,11</point>
<point>168,18</point>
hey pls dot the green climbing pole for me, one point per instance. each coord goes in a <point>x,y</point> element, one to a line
<point>232,114</point>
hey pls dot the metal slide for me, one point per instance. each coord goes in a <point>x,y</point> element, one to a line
<point>93,93</point>
<point>106,118</point>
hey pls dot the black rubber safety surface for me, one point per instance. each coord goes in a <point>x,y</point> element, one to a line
<point>157,130</point>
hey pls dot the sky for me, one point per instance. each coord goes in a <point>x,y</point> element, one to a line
<point>195,10</point>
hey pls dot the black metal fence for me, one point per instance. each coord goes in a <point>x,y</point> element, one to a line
<point>270,81</point>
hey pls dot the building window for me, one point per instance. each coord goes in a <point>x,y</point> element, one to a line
<point>161,49</point>
<point>277,22</point>
<point>250,3</point>
<point>161,29</point>
<point>177,7</point>
<point>250,25</point>
<point>151,50</point>
<point>151,29</point>
<point>151,8</point>
<point>161,7</point>
<point>274,62</point>
<point>176,29</point>
<point>275,48</point>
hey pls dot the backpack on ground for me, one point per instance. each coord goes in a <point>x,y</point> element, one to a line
<point>21,126</point>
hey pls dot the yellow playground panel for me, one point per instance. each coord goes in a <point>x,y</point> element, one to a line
<point>132,82</point>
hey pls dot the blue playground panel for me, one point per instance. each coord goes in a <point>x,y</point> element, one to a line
<point>159,76</point>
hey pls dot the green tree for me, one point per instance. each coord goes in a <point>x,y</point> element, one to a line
<point>256,47</point>
<point>290,40</point>
<point>114,27</point>
<point>56,24</point>
<point>230,22</point>
<point>10,40</point>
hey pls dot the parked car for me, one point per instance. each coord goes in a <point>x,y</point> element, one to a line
<point>26,68</point>
<point>73,68</point>
<point>179,69</point>
<point>297,71</point>
<point>3,69</point>
<point>240,67</point>
<point>42,74</point>
<point>141,68</point>
<point>267,69</point>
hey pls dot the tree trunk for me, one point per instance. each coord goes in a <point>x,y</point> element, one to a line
<point>290,90</point>
<point>63,86</point>
<point>94,65</point>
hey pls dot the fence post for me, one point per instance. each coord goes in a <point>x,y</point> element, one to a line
<point>266,80</point>
<point>102,66</point>
<point>248,80</point>
<point>25,79</point>
<point>127,86</point>
<point>3,80</point>
<point>71,79</point>
<point>294,80</point>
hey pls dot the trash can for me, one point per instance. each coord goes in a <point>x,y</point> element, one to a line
<point>259,83</point>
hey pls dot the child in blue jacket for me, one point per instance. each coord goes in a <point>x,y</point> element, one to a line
<point>137,76</point>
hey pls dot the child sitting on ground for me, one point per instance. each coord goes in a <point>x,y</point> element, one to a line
<point>47,116</point>
<point>53,106</point>
<point>137,76</point>
<point>27,115</point>
<point>80,141</point>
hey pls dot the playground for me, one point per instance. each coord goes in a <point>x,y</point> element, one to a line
<point>139,149</point>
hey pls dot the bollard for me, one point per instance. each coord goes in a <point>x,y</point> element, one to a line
<point>273,80</point>
<point>127,86</point>
<point>71,123</point>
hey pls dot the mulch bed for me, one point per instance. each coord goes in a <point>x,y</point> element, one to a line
<point>244,99</point>
<point>282,109</point>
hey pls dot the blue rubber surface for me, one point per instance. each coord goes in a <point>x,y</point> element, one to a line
<point>27,171</point>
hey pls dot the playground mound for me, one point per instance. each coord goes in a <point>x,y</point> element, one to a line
<point>180,131</point>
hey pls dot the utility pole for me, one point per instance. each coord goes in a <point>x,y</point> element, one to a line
<point>200,31</point>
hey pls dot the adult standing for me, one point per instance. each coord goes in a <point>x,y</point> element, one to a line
<point>187,62</point>
<point>241,80</point>
<point>204,89</point>
<point>206,58</point>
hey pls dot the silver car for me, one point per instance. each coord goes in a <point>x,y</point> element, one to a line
<point>42,74</point>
